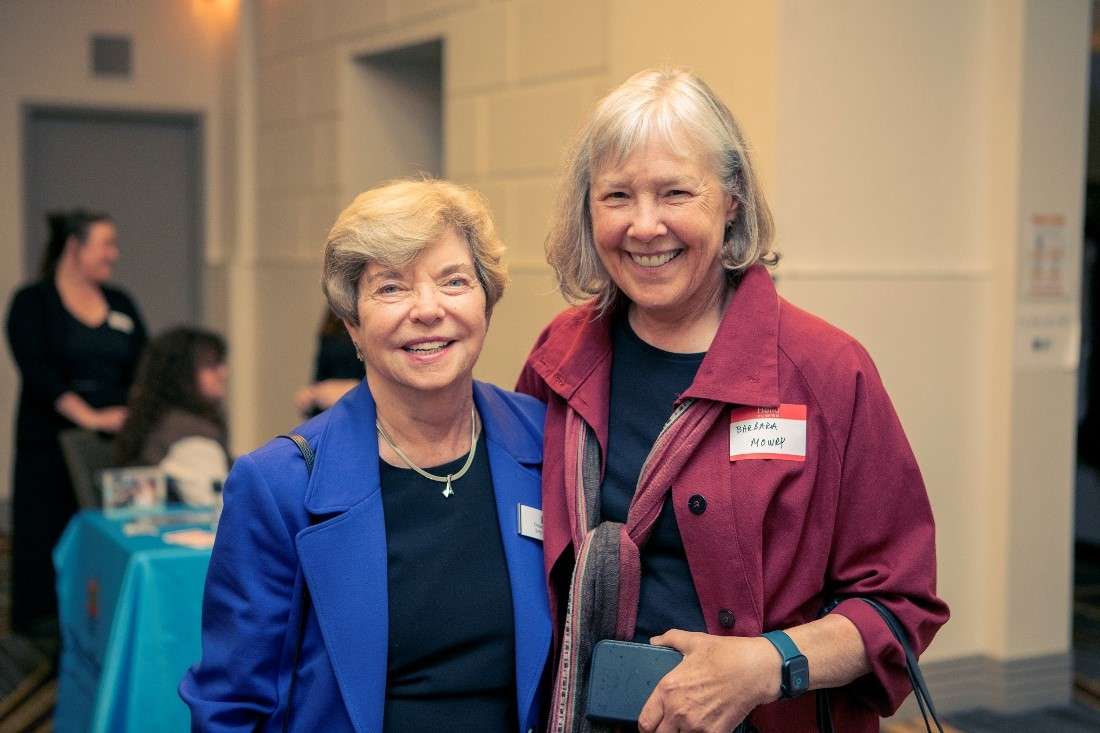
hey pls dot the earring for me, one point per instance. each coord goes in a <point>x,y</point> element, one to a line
<point>358,354</point>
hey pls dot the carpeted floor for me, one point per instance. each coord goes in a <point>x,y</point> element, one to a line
<point>28,684</point>
<point>1086,626</point>
<point>1076,719</point>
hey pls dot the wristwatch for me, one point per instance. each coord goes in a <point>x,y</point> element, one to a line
<point>796,670</point>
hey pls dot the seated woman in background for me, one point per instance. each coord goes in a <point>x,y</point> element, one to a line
<point>336,370</point>
<point>176,418</point>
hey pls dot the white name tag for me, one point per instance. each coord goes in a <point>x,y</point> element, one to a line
<point>530,521</point>
<point>768,432</point>
<point>120,322</point>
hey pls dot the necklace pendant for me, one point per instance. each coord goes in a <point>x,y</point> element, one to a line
<point>448,492</point>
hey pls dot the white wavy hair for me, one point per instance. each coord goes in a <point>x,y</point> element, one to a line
<point>677,107</point>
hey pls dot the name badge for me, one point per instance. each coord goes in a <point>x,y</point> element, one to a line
<point>120,322</point>
<point>530,521</point>
<point>778,433</point>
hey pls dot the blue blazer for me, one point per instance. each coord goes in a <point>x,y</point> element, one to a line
<point>282,534</point>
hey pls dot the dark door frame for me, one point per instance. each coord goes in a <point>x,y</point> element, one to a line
<point>91,113</point>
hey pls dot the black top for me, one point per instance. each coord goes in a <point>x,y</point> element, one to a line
<point>57,353</point>
<point>645,382</point>
<point>451,659</point>
<point>336,357</point>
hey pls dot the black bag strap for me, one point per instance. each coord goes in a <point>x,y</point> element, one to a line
<point>307,455</point>
<point>304,448</point>
<point>916,678</point>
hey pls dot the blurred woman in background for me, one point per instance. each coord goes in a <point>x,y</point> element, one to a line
<point>336,370</point>
<point>76,342</point>
<point>176,417</point>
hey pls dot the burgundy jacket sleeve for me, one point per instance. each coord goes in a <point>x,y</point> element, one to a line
<point>884,541</point>
<point>531,383</point>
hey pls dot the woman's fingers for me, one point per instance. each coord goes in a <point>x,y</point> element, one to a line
<point>652,712</point>
<point>712,689</point>
<point>682,641</point>
<point>303,398</point>
<point>652,718</point>
<point>111,419</point>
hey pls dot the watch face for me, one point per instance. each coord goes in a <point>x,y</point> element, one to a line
<point>798,675</point>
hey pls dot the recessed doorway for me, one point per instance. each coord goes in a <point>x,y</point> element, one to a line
<point>395,119</point>
<point>144,169</point>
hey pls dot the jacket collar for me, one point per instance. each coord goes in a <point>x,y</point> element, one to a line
<point>345,469</point>
<point>575,348</point>
<point>504,428</point>
<point>741,366</point>
<point>346,464</point>
<point>344,557</point>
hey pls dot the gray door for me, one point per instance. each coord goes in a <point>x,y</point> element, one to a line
<point>143,170</point>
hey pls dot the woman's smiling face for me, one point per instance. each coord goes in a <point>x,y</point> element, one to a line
<point>422,326</point>
<point>659,220</point>
<point>96,256</point>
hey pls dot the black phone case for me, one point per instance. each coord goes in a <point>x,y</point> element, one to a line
<point>622,677</point>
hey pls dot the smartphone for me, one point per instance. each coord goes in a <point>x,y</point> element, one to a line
<point>622,677</point>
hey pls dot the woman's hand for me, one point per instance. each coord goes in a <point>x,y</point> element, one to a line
<point>719,682</point>
<point>110,419</point>
<point>323,395</point>
<point>303,399</point>
<point>328,393</point>
<point>80,413</point>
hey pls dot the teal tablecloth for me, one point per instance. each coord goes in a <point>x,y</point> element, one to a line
<point>130,610</point>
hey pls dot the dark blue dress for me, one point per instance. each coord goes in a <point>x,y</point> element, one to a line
<point>57,353</point>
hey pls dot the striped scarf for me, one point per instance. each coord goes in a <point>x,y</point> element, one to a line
<point>603,594</point>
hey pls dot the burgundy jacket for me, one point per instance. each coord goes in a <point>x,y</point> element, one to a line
<point>776,539</point>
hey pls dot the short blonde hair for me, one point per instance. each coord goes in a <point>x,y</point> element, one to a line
<point>393,223</point>
<point>675,106</point>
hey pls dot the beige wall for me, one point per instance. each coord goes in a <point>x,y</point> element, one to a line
<point>178,51</point>
<point>915,139</point>
<point>519,79</point>
<point>878,198</point>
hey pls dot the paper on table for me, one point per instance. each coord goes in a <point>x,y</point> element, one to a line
<point>200,539</point>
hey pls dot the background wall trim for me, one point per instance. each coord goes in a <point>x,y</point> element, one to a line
<point>1003,686</point>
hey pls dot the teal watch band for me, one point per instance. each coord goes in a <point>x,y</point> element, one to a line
<point>795,671</point>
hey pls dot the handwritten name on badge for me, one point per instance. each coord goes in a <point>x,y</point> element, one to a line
<point>768,432</point>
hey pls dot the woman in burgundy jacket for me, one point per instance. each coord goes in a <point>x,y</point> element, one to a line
<point>719,465</point>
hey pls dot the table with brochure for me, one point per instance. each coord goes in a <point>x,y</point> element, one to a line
<point>129,587</point>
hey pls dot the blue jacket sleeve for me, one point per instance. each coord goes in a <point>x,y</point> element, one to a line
<point>247,607</point>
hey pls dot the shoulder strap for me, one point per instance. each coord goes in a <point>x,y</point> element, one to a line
<point>303,448</point>
<point>920,690</point>
<point>916,679</point>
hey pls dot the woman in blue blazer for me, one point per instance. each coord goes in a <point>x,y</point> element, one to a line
<point>386,572</point>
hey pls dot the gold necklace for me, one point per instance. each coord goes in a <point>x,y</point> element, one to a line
<point>448,492</point>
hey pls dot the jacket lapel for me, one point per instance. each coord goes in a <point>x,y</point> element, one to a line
<point>344,557</point>
<point>514,454</point>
